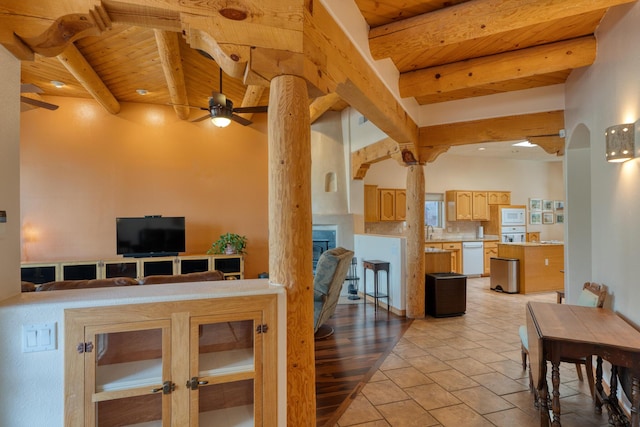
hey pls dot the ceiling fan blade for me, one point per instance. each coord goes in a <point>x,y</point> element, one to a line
<point>256,109</point>
<point>37,103</point>
<point>30,88</point>
<point>241,120</point>
<point>199,119</point>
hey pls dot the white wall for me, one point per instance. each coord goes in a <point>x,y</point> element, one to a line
<point>608,93</point>
<point>9,174</point>
<point>525,179</point>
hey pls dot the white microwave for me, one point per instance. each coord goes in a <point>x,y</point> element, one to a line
<point>514,216</point>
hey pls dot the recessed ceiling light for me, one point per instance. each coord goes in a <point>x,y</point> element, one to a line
<point>142,91</point>
<point>524,144</point>
<point>481,148</point>
<point>57,83</point>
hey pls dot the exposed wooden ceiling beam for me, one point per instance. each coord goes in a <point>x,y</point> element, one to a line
<point>77,65</point>
<point>252,97</point>
<point>169,51</point>
<point>509,128</point>
<point>333,64</point>
<point>321,104</point>
<point>374,153</point>
<point>495,69</point>
<point>472,20</point>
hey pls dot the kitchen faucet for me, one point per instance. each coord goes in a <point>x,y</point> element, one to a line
<point>429,236</point>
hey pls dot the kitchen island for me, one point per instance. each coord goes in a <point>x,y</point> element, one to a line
<point>437,260</point>
<point>541,265</point>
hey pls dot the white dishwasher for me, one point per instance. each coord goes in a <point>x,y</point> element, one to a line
<point>472,258</point>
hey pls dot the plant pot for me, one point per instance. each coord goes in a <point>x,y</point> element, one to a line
<point>230,250</point>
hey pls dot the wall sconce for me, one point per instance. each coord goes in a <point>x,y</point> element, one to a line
<point>620,143</point>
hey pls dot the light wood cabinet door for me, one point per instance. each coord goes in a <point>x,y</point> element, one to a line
<point>490,251</point>
<point>499,197</point>
<point>456,255</point>
<point>533,236</point>
<point>164,363</point>
<point>459,205</point>
<point>401,205</point>
<point>387,204</point>
<point>480,206</point>
<point>371,204</point>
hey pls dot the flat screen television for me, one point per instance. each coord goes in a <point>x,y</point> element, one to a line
<point>150,236</point>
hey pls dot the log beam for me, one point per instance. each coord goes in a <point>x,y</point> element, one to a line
<point>334,65</point>
<point>495,69</point>
<point>415,242</point>
<point>470,21</point>
<point>321,104</point>
<point>169,51</point>
<point>508,128</point>
<point>373,153</point>
<point>251,98</point>
<point>290,250</point>
<point>80,68</point>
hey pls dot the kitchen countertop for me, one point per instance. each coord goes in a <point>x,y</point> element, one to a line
<point>533,243</point>
<point>463,239</point>
<point>435,250</point>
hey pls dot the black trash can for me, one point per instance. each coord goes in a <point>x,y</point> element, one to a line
<point>445,294</point>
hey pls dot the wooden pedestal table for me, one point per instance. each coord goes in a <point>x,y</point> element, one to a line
<point>375,266</point>
<point>562,331</point>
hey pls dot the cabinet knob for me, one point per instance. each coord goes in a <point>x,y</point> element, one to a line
<point>167,388</point>
<point>193,383</point>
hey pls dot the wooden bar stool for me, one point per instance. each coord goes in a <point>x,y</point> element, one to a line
<point>375,266</point>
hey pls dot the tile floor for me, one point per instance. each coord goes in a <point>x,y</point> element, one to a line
<point>465,371</point>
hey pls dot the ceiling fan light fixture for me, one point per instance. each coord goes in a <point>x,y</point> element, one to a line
<point>221,122</point>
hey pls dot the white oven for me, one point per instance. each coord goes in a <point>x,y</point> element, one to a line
<point>516,234</point>
<point>513,216</point>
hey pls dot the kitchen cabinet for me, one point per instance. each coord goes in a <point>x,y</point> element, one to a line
<point>384,204</point>
<point>499,197</point>
<point>467,205</point>
<point>490,251</point>
<point>456,255</point>
<point>533,236</point>
<point>196,363</point>
<point>393,204</point>
<point>371,204</point>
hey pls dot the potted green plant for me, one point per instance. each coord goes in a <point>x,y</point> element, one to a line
<point>229,243</point>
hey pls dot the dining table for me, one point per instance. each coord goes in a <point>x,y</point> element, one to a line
<point>558,332</point>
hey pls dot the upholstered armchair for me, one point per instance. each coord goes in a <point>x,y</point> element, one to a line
<point>331,271</point>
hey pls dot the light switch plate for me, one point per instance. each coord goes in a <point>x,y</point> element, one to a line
<point>39,337</point>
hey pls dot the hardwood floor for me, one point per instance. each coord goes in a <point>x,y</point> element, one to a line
<point>349,357</point>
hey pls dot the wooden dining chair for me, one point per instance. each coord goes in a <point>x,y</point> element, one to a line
<point>592,295</point>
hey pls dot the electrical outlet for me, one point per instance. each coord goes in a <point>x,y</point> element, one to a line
<point>546,261</point>
<point>39,337</point>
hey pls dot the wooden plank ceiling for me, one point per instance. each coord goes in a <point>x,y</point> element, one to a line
<point>444,49</point>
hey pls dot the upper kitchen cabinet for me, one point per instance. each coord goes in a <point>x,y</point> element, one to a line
<point>384,204</point>
<point>371,203</point>
<point>499,197</point>
<point>467,205</point>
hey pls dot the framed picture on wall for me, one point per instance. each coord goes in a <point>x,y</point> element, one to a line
<point>547,205</point>
<point>558,205</point>
<point>535,204</point>
<point>547,217</point>
<point>535,218</point>
<point>560,218</point>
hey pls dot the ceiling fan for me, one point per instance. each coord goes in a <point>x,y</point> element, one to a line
<point>222,111</point>
<point>31,88</point>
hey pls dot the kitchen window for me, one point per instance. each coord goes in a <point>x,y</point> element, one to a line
<point>434,210</point>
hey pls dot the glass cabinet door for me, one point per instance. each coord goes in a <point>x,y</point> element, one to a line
<point>225,383</point>
<point>130,363</point>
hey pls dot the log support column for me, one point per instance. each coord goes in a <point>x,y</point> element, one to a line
<point>290,242</point>
<point>415,242</point>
